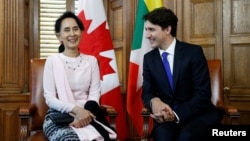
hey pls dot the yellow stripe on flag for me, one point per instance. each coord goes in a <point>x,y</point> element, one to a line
<point>152,4</point>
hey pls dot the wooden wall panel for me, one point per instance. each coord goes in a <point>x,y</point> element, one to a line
<point>202,25</point>
<point>9,115</point>
<point>14,64</point>
<point>222,29</point>
<point>236,45</point>
<point>1,39</point>
<point>12,47</point>
<point>121,15</point>
<point>116,11</point>
<point>9,121</point>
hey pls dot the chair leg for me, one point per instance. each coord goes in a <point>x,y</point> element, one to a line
<point>145,128</point>
<point>112,121</point>
<point>23,131</point>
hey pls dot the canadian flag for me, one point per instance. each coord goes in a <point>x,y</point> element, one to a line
<point>96,40</point>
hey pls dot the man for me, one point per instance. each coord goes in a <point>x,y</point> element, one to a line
<point>181,105</point>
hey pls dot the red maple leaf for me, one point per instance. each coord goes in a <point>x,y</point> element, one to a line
<point>96,42</point>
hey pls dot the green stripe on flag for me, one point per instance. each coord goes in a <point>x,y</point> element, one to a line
<point>139,25</point>
<point>144,6</point>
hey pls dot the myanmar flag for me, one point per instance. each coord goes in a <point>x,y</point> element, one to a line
<point>96,40</point>
<point>140,46</point>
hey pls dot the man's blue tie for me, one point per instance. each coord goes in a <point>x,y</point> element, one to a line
<point>167,69</point>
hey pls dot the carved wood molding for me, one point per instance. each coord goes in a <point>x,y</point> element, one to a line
<point>13,49</point>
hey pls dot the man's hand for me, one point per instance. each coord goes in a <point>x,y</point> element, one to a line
<point>162,112</point>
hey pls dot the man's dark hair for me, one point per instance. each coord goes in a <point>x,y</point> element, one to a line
<point>163,17</point>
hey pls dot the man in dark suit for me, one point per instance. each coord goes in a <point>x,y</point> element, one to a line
<point>183,112</point>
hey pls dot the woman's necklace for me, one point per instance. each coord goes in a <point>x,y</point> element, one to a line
<point>73,65</point>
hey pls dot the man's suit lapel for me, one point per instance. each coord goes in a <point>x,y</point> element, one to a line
<point>177,61</point>
<point>158,65</point>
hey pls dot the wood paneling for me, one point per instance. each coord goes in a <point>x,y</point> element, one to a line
<point>236,45</point>
<point>13,47</point>
<point>202,25</point>
<point>9,121</point>
<point>116,21</point>
<point>118,12</point>
<point>120,17</point>
<point>222,29</point>
<point>14,64</point>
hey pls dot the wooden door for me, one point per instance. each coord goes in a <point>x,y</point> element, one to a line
<point>222,28</point>
<point>121,21</point>
<point>236,49</point>
<point>202,25</point>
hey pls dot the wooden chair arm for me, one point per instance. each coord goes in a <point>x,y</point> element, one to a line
<point>230,112</point>
<point>111,113</point>
<point>145,112</point>
<point>109,110</point>
<point>26,110</point>
<point>24,115</point>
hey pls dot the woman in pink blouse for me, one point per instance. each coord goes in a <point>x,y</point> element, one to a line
<point>72,85</point>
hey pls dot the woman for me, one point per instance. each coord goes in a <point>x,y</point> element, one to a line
<point>72,85</point>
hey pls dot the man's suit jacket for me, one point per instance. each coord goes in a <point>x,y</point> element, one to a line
<point>192,90</point>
